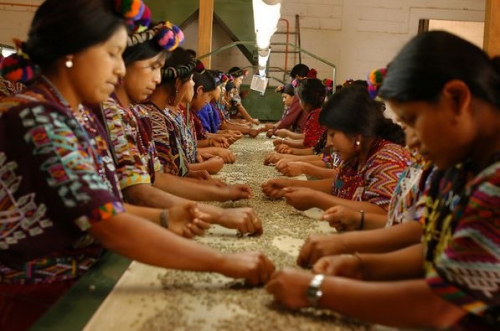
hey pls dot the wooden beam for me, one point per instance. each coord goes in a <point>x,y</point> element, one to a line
<point>205,25</point>
<point>492,28</point>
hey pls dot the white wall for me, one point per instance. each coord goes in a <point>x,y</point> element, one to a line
<point>356,35</point>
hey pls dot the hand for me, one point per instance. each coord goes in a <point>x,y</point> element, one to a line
<point>318,246</point>
<point>253,133</point>
<point>213,165</point>
<point>269,126</point>
<point>255,267</point>
<point>299,197</point>
<point>289,287</point>
<point>237,192</point>
<point>283,149</point>
<point>273,158</point>
<point>199,174</point>
<point>290,168</point>
<point>342,218</point>
<point>186,220</point>
<point>218,142</point>
<point>255,121</point>
<point>282,133</point>
<point>279,141</point>
<point>225,154</point>
<point>242,219</point>
<point>345,265</point>
<point>270,133</point>
<point>273,188</point>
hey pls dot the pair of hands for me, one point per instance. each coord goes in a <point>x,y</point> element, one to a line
<point>298,197</point>
<point>326,255</point>
<point>226,155</point>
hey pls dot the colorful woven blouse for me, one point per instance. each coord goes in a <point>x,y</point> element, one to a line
<point>460,212</point>
<point>57,178</point>
<point>375,180</point>
<point>131,135</point>
<point>169,134</point>
<point>312,130</point>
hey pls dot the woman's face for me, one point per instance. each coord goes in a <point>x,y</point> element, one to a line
<point>438,134</point>
<point>97,70</point>
<point>343,145</point>
<point>142,77</point>
<point>186,90</point>
<point>287,99</point>
<point>201,99</point>
<point>216,93</point>
<point>237,81</point>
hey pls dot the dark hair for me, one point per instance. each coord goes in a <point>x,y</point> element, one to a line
<point>205,79</point>
<point>60,28</point>
<point>180,57</point>
<point>299,70</point>
<point>143,50</point>
<point>431,59</point>
<point>236,72</point>
<point>311,92</point>
<point>352,111</point>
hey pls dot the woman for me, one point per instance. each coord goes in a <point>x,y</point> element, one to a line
<point>237,109</point>
<point>373,156</point>
<point>450,279</point>
<point>141,175</point>
<point>312,94</point>
<point>174,143</point>
<point>59,186</point>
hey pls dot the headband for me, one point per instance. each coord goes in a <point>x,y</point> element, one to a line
<point>374,80</point>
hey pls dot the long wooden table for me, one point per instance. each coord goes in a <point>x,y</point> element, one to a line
<point>150,298</point>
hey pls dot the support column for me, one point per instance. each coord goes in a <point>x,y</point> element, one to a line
<point>491,43</point>
<point>205,26</point>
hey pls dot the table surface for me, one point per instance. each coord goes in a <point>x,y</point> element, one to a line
<point>150,298</point>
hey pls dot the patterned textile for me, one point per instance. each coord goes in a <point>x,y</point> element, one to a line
<point>209,117</point>
<point>460,212</point>
<point>403,203</point>
<point>8,88</point>
<point>196,125</point>
<point>57,178</point>
<point>376,180</point>
<point>169,134</point>
<point>221,108</point>
<point>133,147</point>
<point>312,130</point>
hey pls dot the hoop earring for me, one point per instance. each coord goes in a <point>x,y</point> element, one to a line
<point>68,63</point>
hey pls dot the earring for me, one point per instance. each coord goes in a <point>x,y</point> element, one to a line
<point>68,63</point>
<point>358,142</point>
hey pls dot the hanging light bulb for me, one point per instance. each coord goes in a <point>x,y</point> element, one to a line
<point>266,14</point>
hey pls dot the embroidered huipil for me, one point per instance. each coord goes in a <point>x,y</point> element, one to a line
<point>460,212</point>
<point>312,130</point>
<point>376,179</point>
<point>57,179</point>
<point>169,134</point>
<point>130,133</point>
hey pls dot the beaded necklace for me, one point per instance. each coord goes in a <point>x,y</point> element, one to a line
<point>84,123</point>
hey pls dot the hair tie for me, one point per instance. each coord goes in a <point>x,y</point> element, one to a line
<point>312,73</point>
<point>178,71</point>
<point>375,79</point>
<point>200,67</point>
<point>169,36</point>
<point>295,82</point>
<point>280,89</point>
<point>130,9</point>
<point>18,67</point>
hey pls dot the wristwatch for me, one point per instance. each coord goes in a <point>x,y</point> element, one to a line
<point>314,292</point>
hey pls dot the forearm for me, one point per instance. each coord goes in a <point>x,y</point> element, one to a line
<point>187,189</point>
<point>150,196</point>
<point>145,242</point>
<point>295,135</point>
<point>319,172</point>
<point>243,112</point>
<point>406,263</point>
<point>382,240</point>
<point>148,213</point>
<point>293,143</point>
<point>407,304</point>
<point>329,200</point>
<point>301,151</point>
